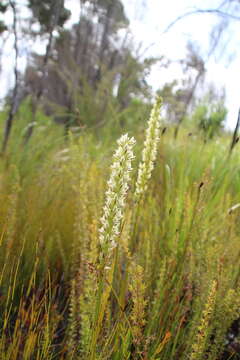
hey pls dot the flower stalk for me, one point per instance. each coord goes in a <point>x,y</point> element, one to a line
<point>118,186</point>
<point>149,153</point>
<point>110,228</point>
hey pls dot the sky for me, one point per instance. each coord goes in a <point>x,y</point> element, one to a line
<point>148,24</point>
<point>148,20</point>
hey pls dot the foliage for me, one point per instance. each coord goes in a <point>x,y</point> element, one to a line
<point>3,27</point>
<point>175,100</point>
<point>3,8</point>
<point>43,12</point>
<point>93,68</point>
<point>180,95</point>
<point>210,118</point>
<point>173,282</point>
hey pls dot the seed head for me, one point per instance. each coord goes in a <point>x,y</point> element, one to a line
<point>149,153</point>
<point>118,185</point>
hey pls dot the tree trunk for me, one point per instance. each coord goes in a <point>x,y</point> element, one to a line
<point>104,42</point>
<point>13,104</point>
<point>56,6</point>
<point>235,134</point>
<point>189,99</point>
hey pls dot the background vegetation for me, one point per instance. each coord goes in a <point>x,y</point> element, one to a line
<point>172,291</point>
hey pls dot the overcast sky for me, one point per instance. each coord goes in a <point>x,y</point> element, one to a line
<point>148,20</point>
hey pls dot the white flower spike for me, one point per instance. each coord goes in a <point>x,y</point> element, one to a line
<point>149,153</point>
<point>118,185</point>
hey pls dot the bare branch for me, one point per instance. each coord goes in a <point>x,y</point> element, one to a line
<point>217,12</point>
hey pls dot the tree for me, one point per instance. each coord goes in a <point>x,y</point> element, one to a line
<point>3,8</point>
<point>195,62</point>
<point>13,101</point>
<point>174,95</point>
<point>91,67</point>
<point>210,114</point>
<point>49,14</point>
<point>180,96</point>
<point>228,12</point>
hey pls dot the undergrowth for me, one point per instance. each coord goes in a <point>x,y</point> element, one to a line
<point>144,265</point>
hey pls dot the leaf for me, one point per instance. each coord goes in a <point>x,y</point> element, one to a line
<point>162,344</point>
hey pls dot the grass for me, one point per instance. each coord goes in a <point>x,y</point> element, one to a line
<point>172,290</point>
